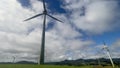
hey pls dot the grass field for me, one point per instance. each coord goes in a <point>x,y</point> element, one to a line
<point>46,66</point>
<point>38,66</point>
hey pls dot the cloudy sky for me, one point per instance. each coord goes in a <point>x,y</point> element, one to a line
<point>87,23</point>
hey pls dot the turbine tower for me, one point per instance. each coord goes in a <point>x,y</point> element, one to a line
<point>108,53</point>
<point>45,13</point>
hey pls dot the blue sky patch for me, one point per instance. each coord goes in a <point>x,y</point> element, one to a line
<point>24,3</point>
<point>54,6</point>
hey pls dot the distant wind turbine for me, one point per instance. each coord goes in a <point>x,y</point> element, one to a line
<point>13,59</point>
<point>99,56</point>
<point>45,13</point>
<point>108,53</point>
<point>83,58</point>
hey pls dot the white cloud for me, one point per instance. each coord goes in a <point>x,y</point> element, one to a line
<point>100,16</point>
<point>23,39</point>
<point>115,49</point>
<point>35,4</point>
<point>14,34</point>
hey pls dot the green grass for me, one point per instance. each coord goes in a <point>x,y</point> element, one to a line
<point>46,66</point>
<point>39,66</point>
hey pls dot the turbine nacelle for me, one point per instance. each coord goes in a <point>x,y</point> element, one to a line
<point>105,47</point>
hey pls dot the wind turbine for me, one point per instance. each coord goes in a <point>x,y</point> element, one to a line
<point>44,13</point>
<point>83,58</point>
<point>108,53</point>
<point>13,59</point>
<point>98,58</point>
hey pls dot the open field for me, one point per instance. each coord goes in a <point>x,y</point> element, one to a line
<point>46,66</point>
<point>38,66</point>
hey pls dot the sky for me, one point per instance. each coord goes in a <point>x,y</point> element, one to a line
<point>87,23</point>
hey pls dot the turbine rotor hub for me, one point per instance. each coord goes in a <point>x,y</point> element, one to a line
<point>44,12</point>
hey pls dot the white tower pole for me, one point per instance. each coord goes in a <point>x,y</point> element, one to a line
<point>109,55</point>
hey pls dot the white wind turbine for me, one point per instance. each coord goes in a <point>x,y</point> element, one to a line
<point>109,55</point>
<point>45,14</point>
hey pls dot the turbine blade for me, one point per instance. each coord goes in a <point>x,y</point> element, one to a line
<point>33,17</point>
<point>55,18</point>
<point>44,5</point>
